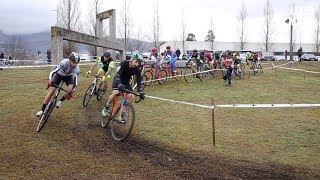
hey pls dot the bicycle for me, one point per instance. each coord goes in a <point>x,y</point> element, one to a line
<point>170,73</point>
<point>122,117</point>
<point>155,73</point>
<point>191,73</point>
<point>259,67</point>
<point>92,90</point>
<point>48,110</point>
<point>238,71</point>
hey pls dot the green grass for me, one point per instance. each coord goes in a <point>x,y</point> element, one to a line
<point>288,136</point>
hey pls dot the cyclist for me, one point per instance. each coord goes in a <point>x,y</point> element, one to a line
<point>173,58</point>
<point>197,58</point>
<point>106,68</point>
<point>155,57</point>
<point>67,70</point>
<point>122,78</point>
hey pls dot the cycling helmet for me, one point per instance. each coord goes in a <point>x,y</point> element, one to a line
<point>154,50</point>
<point>136,55</point>
<point>74,57</point>
<point>168,47</point>
<point>195,51</point>
<point>107,54</point>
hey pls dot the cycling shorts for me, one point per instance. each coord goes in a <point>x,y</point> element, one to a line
<point>57,78</point>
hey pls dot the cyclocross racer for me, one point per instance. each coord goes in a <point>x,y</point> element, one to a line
<point>122,78</point>
<point>67,70</point>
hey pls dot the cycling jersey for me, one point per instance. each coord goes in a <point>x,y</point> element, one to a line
<point>106,63</point>
<point>124,74</point>
<point>64,69</point>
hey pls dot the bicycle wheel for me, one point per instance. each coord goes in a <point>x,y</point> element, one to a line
<point>106,120</point>
<point>161,74</point>
<point>202,76</point>
<point>88,94</point>
<point>46,113</point>
<point>178,74</point>
<point>240,73</point>
<point>149,77</point>
<point>122,122</point>
<point>99,92</point>
<point>260,68</point>
<point>188,76</point>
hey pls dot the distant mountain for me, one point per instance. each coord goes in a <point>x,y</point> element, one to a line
<point>41,41</point>
<point>34,42</point>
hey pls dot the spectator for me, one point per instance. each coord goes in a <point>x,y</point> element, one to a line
<point>178,52</point>
<point>300,53</point>
<point>286,54</point>
<point>49,56</point>
<point>1,55</point>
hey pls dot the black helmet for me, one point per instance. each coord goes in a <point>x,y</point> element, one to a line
<point>107,54</point>
<point>74,57</point>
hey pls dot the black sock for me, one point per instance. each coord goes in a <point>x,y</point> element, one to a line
<point>43,107</point>
<point>62,99</point>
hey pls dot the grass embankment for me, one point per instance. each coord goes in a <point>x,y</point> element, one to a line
<point>73,144</point>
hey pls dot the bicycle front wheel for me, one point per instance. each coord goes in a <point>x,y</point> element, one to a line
<point>188,76</point>
<point>88,94</point>
<point>122,122</point>
<point>100,92</point>
<point>149,77</point>
<point>178,74</point>
<point>162,75</point>
<point>260,68</point>
<point>46,114</point>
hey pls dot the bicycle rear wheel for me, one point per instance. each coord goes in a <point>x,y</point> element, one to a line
<point>189,77</point>
<point>122,122</point>
<point>46,114</point>
<point>88,94</point>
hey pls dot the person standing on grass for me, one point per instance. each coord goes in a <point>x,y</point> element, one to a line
<point>68,70</point>
<point>228,65</point>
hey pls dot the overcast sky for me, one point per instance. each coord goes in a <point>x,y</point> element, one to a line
<point>20,16</point>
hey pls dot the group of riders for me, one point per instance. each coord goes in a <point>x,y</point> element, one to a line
<point>68,71</point>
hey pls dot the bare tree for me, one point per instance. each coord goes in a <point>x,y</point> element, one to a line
<point>242,17</point>
<point>156,25</point>
<point>184,26</point>
<point>14,47</point>
<point>126,24</point>
<point>94,9</point>
<point>317,29</point>
<point>69,18</point>
<point>268,30</point>
<point>210,36</point>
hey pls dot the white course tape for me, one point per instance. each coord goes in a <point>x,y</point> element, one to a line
<point>239,105</point>
<point>267,105</point>
<point>181,102</point>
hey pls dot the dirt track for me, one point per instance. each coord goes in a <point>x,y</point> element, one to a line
<point>137,158</point>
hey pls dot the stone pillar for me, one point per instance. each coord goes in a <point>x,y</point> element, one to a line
<point>57,45</point>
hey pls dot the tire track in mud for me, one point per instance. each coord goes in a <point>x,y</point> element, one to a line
<point>155,160</point>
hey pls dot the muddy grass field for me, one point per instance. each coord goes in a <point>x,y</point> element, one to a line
<point>169,141</point>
